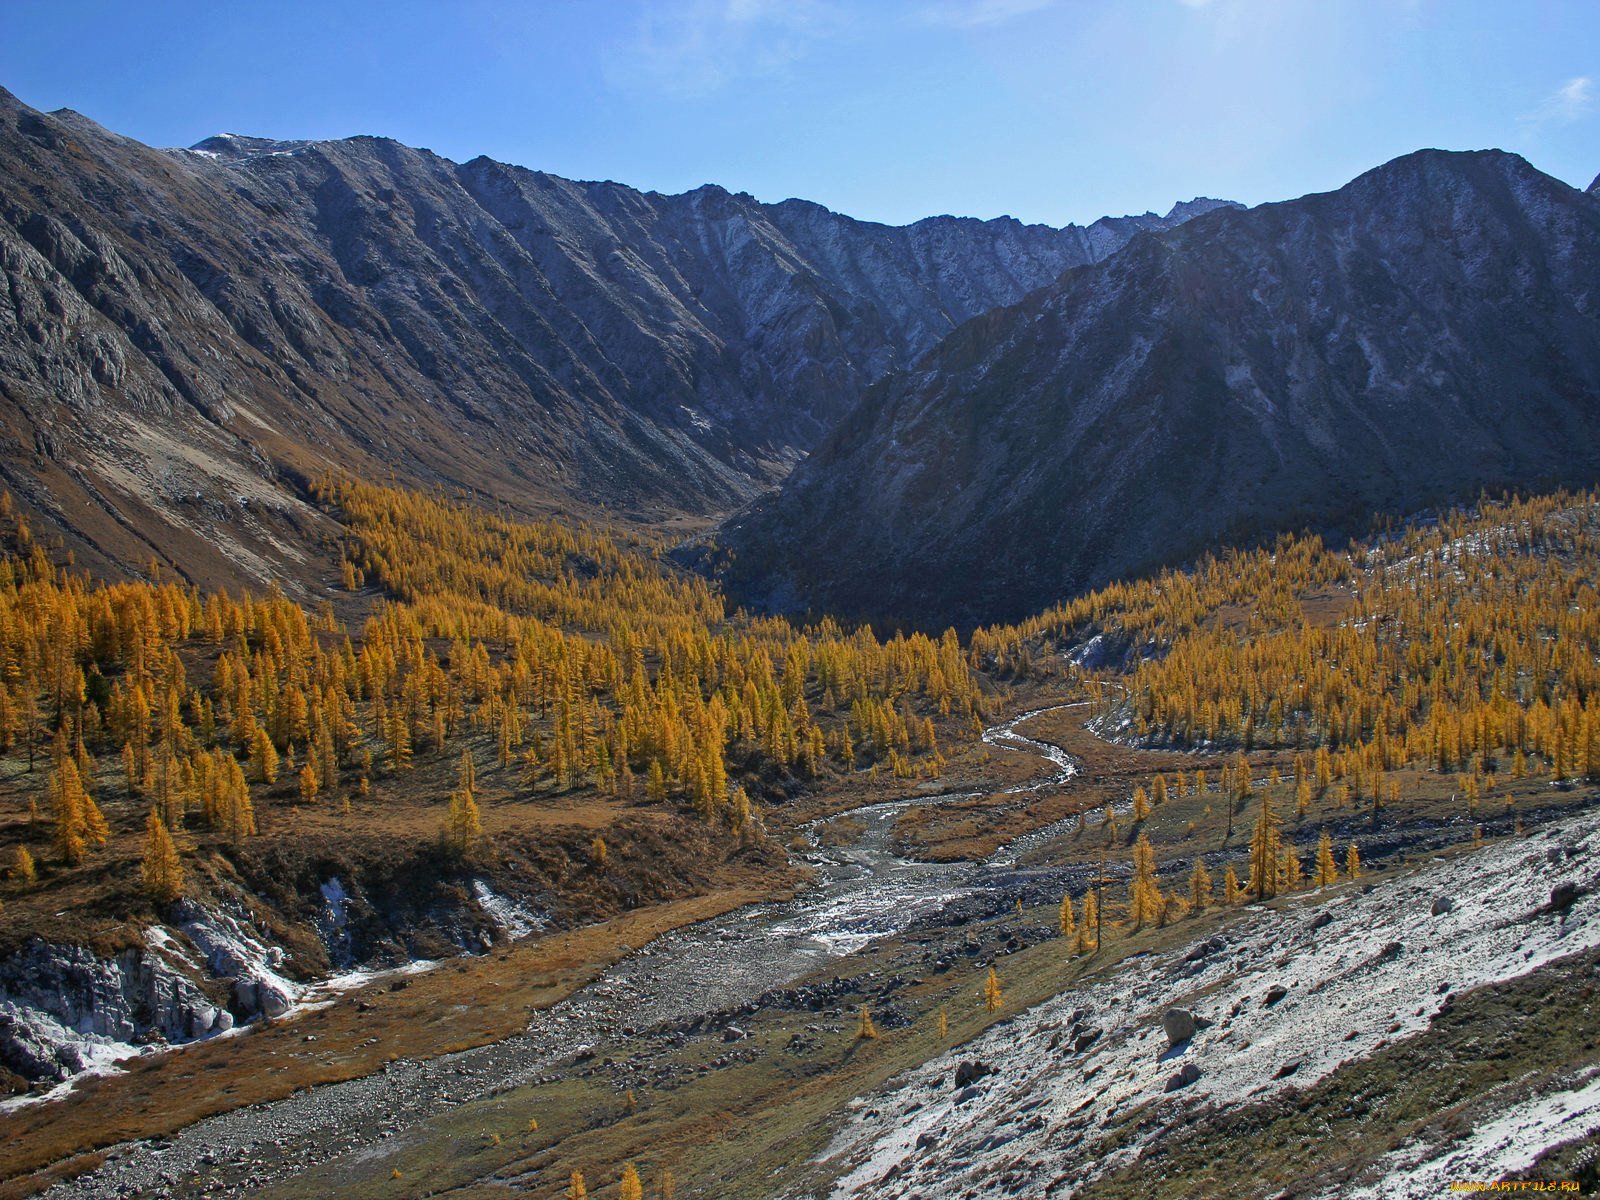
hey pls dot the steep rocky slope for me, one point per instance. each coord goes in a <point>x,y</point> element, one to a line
<point>185,333</point>
<point>1427,331</point>
<point>1168,1076</point>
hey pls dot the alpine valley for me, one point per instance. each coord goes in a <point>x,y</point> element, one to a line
<point>510,684</point>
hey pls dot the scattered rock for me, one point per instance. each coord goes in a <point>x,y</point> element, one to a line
<point>1321,921</point>
<point>970,1072</point>
<point>1274,993</point>
<point>734,1034</point>
<point>927,1140</point>
<point>1288,1068</point>
<point>1205,949</point>
<point>1562,897</point>
<point>1179,1024</point>
<point>965,1094</point>
<point>1442,905</point>
<point>1187,1074</point>
<point>1084,1040</point>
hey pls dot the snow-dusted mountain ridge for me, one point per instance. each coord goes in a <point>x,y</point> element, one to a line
<point>261,308</point>
<point>1427,331</point>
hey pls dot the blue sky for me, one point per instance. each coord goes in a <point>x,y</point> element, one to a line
<point>1047,110</point>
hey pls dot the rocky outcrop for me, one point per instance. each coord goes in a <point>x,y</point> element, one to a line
<point>1428,331</point>
<point>64,1009</point>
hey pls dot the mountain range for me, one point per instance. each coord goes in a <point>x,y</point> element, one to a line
<point>1428,331</point>
<point>955,421</point>
<point>192,334</point>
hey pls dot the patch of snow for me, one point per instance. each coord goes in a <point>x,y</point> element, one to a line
<point>515,919</point>
<point>232,950</point>
<point>1504,1148</point>
<point>95,1054</point>
<point>350,980</point>
<point>159,938</point>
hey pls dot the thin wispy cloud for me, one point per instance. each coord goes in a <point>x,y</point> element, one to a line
<point>697,47</point>
<point>973,14</point>
<point>1573,99</point>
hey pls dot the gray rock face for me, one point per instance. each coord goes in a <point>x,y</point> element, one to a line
<point>261,308</point>
<point>55,1001</point>
<point>1428,331</point>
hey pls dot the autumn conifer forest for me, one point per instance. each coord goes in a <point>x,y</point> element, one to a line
<point>486,696</point>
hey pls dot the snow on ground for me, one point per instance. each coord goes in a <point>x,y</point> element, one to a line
<point>350,980</point>
<point>93,1053</point>
<point>516,920</point>
<point>1358,970</point>
<point>160,939</point>
<point>1504,1148</point>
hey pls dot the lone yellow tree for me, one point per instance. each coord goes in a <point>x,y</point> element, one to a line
<point>1089,930</point>
<point>308,784</point>
<point>575,1187</point>
<point>1232,893</point>
<point>1265,851</point>
<point>1144,894</point>
<point>160,869</point>
<point>991,992</point>
<point>1141,805</point>
<point>1064,919</point>
<point>463,827</point>
<point>1199,885</point>
<point>1327,870</point>
<point>1352,862</point>
<point>865,1029</point>
<point>630,1188</point>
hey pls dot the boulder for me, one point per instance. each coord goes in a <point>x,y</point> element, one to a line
<point>1442,905</point>
<point>201,1021</point>
<point>1563,896</point>
<point>274,999</point>
<point>970,1072</point>
<point>1179,1024</point>
<point>1186,1074</point>
<point>1274,993</point>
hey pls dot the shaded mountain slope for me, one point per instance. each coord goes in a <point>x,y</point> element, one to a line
<point>1427,331</point>
<point>187,332</point>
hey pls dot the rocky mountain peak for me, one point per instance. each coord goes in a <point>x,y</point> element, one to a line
<point>1420,334</point>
